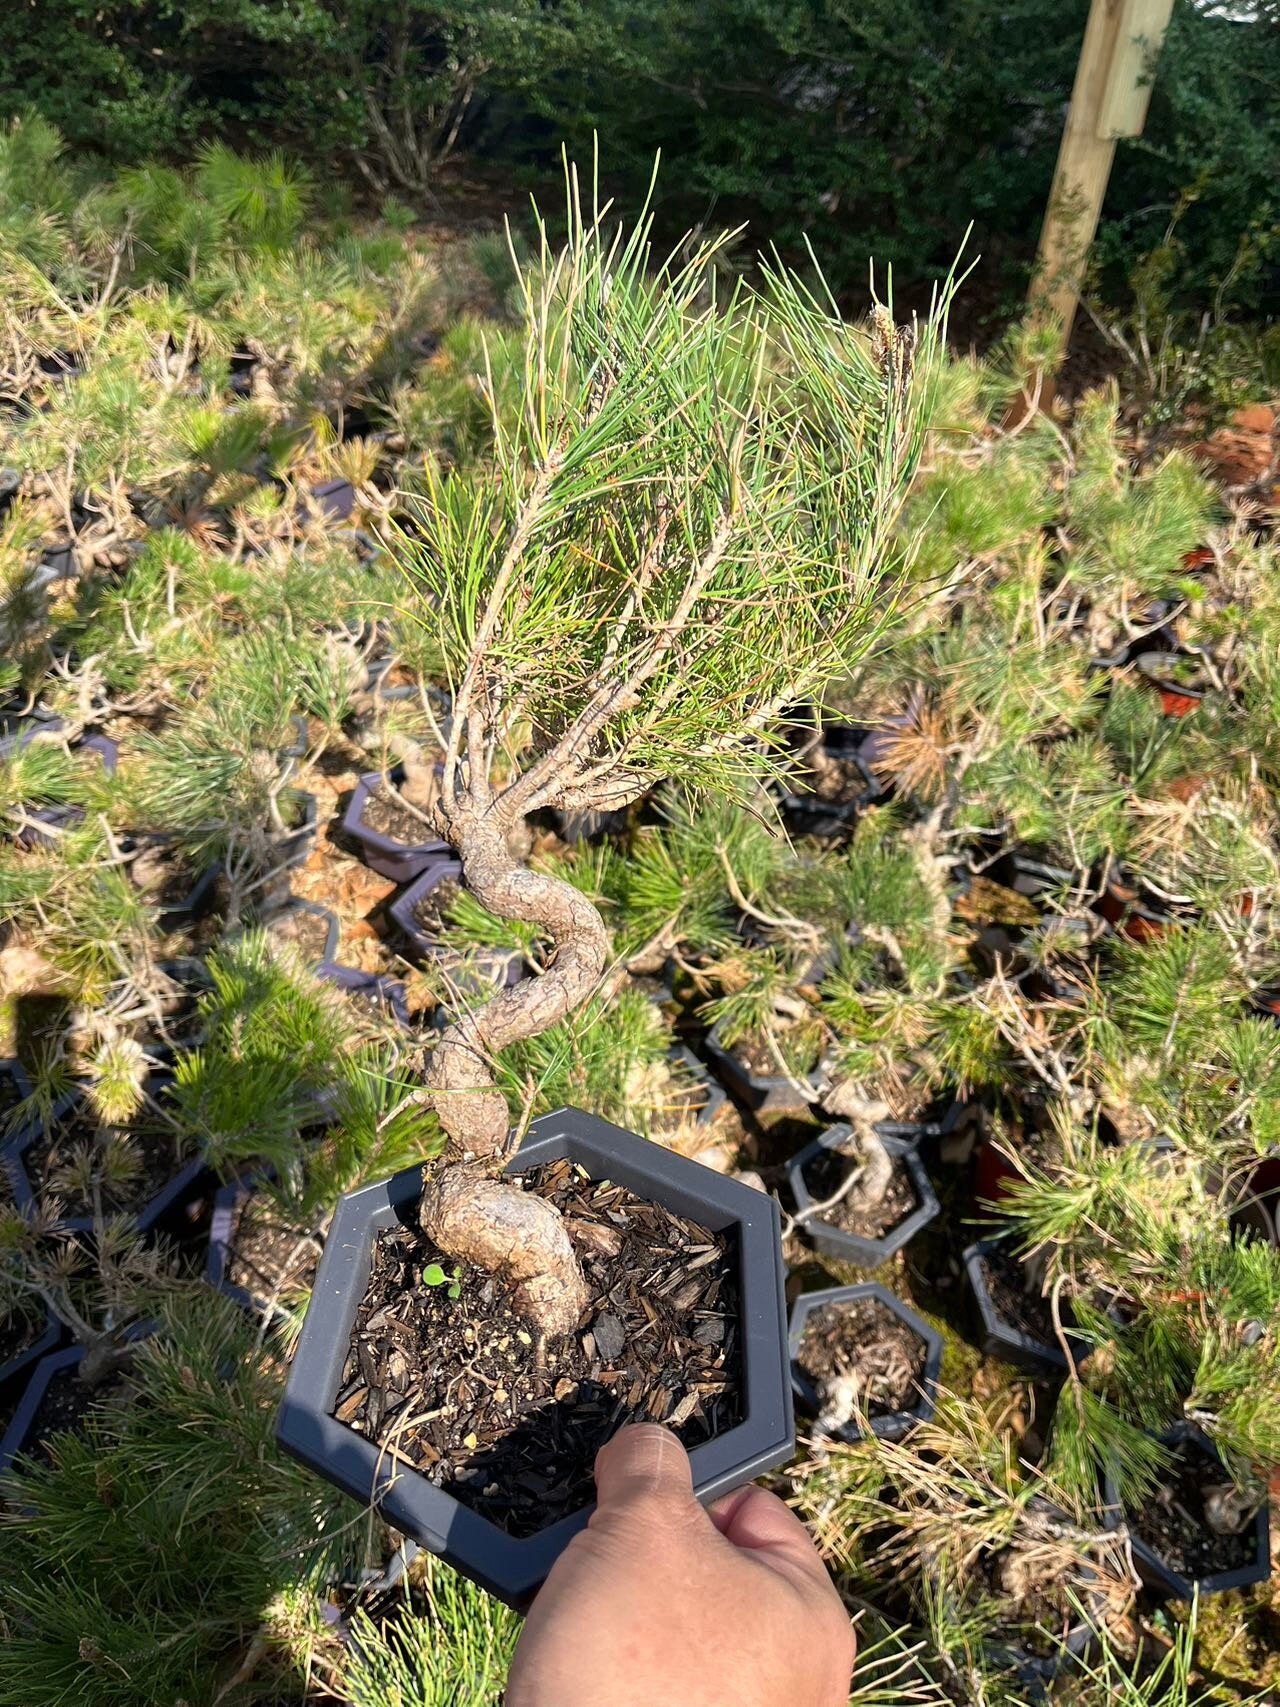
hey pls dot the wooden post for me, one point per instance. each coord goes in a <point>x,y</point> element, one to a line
<point>1109,100</point>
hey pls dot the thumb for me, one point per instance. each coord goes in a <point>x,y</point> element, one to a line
<point>644,1469</point>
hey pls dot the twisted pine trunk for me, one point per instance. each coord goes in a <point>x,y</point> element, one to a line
<point>467,1209</point>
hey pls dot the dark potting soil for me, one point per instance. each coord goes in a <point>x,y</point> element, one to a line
<point>1024,1311</point>
<point>385,813</point>
<point>454,1386</point>
<point>65,1405</point>
<point>1172,1521</point>
<point>827,1172</point>
<point>306,933</point>
<point>267,1258</point>
<point>1039,1616</point>
<point>152,1149</point>
<point>431,914</point>
<point>865,1336</point>
<point>165,878</point>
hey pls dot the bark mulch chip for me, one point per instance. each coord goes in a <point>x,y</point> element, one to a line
<point>827,1172</point>
<point>455,1385</point>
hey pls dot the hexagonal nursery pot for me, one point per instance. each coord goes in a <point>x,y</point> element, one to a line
<point>294,846</point>
<point>766,1093</point>
<point>294,915</point>
<point>890,1424</point>
<point>508,1566</point>
<point>1035,1353</point>
<point>1158,1572</point>
<point>494,968</point>
<point>226,1244</point>
<point>835,1241</point>
<point>398,862</point>
<point>18,1359</point>
<point>371,987</point>
<point>180,1187</point>
<point>808,813</point>
<point>23,1432</point>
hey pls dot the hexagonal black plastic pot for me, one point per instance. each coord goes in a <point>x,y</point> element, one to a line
<point>833,1241</point>
<point>228,1202</point>
<point>389,992</point>
<point>298,907</point>
<point>182,1186</point>
<point>894,1423</point>
<point>292,849</point>
<point>714,1096</point>
<point>1156,1573</point>
<point>398,862</point>
<point>808,814</point>
<point>766,1093</point>
<point>998,1337</point>
<point>16,1438</point>
<point>508,1567</point>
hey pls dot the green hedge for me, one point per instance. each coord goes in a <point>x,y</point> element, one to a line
<point>872,125</point>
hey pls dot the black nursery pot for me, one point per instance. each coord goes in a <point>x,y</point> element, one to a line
<point>333,499</point>
<point>833,1241</point>
<point>999,1337</point>
<point>20,1437</point>
<point>494,968</point>
<point>766,1093</point>
<point>293,848</point>
<point>893,1424</point>
<point>810,814</point>
<point>227,1203</point>
<point>180,1188</point>
<point>509,1567</point>
<point>17,1438</point>
<point>398,862</point>
<point>1157,1573</point>
<point>374,987</point>
<point>299,909</point>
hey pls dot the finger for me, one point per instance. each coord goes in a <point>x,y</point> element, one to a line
<point>757,1521</point>
<point>642,1463</point>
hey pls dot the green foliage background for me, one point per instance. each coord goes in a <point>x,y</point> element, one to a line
<point>875,127</point>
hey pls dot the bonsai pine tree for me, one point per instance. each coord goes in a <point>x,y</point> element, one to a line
<point>686,529</point>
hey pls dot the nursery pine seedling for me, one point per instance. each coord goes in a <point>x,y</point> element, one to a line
<point>686,532</point>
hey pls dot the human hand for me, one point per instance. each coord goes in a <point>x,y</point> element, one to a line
<point>660,1603</point>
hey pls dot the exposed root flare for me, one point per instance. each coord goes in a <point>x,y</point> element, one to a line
<point>509,1232</point>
